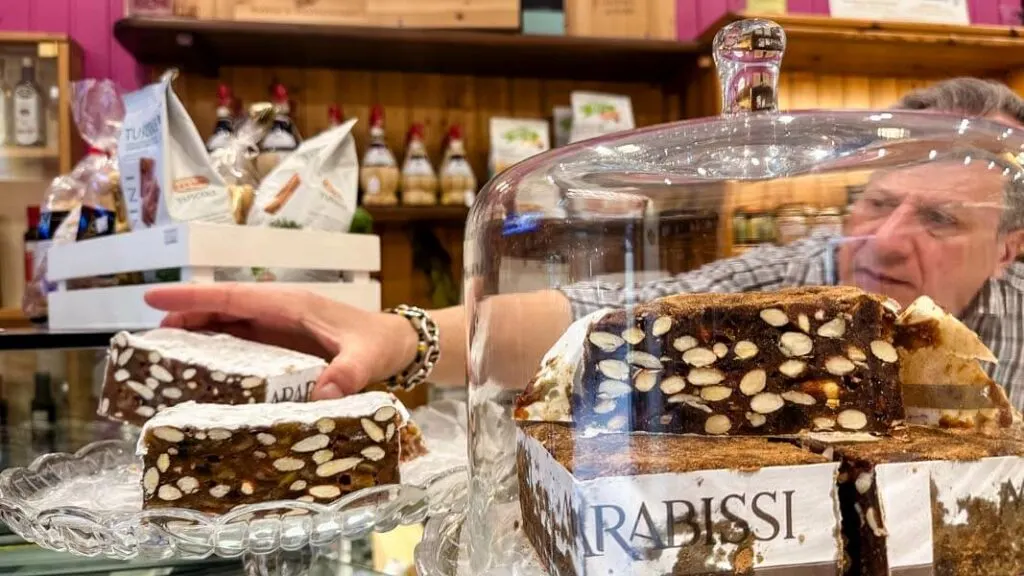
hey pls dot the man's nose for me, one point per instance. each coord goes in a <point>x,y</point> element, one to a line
<point>892,237</point>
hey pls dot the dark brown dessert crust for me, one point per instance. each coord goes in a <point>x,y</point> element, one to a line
<point>637,454</point>
<point>920,443</point>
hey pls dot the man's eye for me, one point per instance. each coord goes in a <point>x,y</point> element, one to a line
<point>937,219</point>
<point>881,203</point>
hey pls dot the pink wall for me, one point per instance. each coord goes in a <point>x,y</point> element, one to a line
<point>90,23</point>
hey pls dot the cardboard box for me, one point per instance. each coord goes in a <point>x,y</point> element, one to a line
<point>696,17</point>
<point>652,504</point>
<point>647,19</point>
<point>482,14</point>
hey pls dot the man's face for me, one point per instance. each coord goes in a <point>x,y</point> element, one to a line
<point>932,230</point>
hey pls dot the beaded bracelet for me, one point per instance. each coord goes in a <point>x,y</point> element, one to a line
<point>428,349</point>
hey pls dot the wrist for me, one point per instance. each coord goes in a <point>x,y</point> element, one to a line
<point>405,343</point>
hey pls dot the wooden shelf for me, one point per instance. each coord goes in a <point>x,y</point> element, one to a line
<point>400,214</point>
<point>843,46</point>
<point>28,153</point>
<point>205,45</point>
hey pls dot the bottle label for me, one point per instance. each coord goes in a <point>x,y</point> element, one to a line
<point>40,420</point>
<point>30,259</point>
<point>4,102</point>
<point>27,110</point>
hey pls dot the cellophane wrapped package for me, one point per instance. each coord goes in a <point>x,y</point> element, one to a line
<point>86,202</point>
<point>235,161</point>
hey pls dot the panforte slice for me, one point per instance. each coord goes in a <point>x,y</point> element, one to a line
<point>932,502</point>
<point>214,457</point>
<point>150,371</point>
<point>771,363</point>
<point>638,503</point>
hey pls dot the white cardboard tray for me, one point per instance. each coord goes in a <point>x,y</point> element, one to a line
<point>197,249</point>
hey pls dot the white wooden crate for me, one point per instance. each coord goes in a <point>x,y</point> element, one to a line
<point>197,249</point>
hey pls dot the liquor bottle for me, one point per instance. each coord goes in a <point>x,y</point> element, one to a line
<point>224,129</point>
<point>335,116</point>
<point>282,139</point>
<point>458,183</point>
<point>28,108</point>
<point>5,105</point>
<point>419,182</point>
<point>378,173</point>
<point>44,415</point>
<point>31,239</point>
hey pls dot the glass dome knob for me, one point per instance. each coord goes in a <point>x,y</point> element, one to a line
<point>748,54</point>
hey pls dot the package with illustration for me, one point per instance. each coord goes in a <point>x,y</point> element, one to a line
<point>314,188</point>
<point>166,173</point>
<point>516,139</point>
<point>595,114</point>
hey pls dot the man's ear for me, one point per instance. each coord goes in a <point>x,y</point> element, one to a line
<point>1013,249</point>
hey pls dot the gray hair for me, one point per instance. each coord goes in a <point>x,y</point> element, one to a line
<point>977,98</point>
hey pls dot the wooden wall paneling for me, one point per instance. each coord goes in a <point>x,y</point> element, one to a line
<point>492,97</point>
<point>803,87</point>
<point>390,93</point>
<point>527,98</point>
<point>320,92</point>
<point>203,96</point>
<point>425,100</point>
<point>460,106</point>
<point>856,92</point>
<point>830,91</point>
<point>884,92</point>
<point>785,92</point>
<point>649,103</point>
<point>354,90</point>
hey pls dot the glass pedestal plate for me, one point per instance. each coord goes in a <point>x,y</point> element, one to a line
<point>89,504</point>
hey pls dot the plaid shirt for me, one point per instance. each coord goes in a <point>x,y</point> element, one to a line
<point>996,314</point>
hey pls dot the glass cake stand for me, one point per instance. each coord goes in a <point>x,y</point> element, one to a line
<point>89,504</point>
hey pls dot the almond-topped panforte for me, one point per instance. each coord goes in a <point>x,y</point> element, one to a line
<point>151,371</point>
<point>773,363</point>
<point>214,457</point>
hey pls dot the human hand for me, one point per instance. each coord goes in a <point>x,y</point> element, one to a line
<point>362,347</point>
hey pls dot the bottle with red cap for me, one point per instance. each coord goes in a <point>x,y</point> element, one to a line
<point>225,127</point>
<point>419,181</point>
<point>282,138</point>
<point>378,173</point>
<point>335,116</point>
<point>458,182</point>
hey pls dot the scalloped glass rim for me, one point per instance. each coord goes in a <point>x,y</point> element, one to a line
<point>188,534</point>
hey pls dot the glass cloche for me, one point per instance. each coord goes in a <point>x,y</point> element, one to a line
<point>769,342</point>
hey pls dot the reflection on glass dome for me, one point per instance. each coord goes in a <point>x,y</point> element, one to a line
<point>712,346</point>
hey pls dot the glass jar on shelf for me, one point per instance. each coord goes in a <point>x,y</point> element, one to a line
<point>628,420</point>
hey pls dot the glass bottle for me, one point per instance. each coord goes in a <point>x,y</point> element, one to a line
<point>224,129</point>
<point>419,182</point>
<point>5,105</point>
<point>28,108</point>
<point>378,174</point>
<point>282,138</point>
<point>458,183</point>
